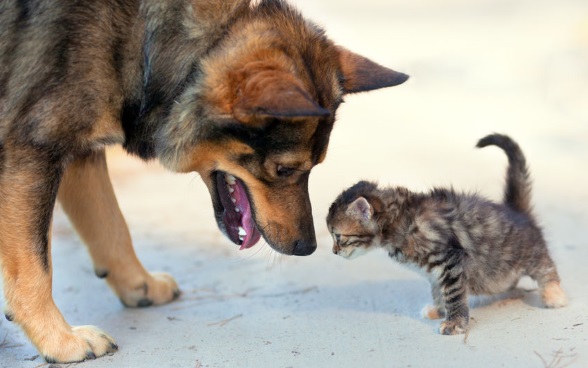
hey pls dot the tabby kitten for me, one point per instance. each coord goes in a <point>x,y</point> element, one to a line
<point>465,243</point>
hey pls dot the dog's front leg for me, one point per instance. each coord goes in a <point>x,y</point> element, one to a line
<point>28,187</point>
<point>87,196</point>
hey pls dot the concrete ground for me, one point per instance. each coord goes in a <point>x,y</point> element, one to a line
<point>477,66</point>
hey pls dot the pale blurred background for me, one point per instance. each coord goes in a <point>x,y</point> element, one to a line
<point>477,67</point>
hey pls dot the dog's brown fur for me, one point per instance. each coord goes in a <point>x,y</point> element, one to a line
<point>218,87</point>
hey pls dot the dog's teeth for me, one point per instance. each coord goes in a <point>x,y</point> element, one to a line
<point>242,231</point>
<point>241,238</point>
<point>237,210</point>
<point>233,200</point>
<point>230,179</point>
<point>231,190</point>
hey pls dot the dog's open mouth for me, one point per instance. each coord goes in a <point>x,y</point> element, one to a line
<point>237,214</point>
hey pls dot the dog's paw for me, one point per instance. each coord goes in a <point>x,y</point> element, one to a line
<point>553,296</point>
<point>432,312</point>
<point>79,344</point>
<point>453,327</point>
<point>157,288</point>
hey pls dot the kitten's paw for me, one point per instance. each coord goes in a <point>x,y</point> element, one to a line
<point>432,312</point>
<point>553,296</point>
<point>453,327</point>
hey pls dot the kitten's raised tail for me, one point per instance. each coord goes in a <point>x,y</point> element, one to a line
<point>517,193</point>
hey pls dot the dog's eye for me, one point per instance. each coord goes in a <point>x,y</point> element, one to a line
<point>284,171</point>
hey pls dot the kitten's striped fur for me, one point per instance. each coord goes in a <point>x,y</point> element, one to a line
<point>465,243</point>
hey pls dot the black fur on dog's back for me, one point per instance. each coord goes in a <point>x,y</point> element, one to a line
<point>64,67</point>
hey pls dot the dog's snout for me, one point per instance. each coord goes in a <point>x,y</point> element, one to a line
<point>304,247</point>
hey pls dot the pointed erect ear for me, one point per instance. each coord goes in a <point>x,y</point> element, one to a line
<point>361,74</point>
<point>360,209</point>
<point>273,94</point>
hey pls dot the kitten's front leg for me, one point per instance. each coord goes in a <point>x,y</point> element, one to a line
<point>454,290</point>
<point>437,310</point>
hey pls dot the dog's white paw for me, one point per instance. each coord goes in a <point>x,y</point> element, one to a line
<point>79,344</point>
<point>156,288</point>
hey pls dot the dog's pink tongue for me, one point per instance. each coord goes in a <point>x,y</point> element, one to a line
<point>252,235</point>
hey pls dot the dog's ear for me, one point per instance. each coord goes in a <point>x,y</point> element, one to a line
<point>272,94</point>
<point>361,74</point>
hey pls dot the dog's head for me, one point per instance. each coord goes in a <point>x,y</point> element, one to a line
<point>266,104</point>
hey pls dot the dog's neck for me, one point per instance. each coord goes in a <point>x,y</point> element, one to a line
<point>170,39</point>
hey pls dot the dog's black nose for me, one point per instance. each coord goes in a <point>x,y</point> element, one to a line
<point>304,247</point>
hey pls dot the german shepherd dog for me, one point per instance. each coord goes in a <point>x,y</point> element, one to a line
<point>243,93</point>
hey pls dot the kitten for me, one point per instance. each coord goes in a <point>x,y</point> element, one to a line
<point>465,243</point>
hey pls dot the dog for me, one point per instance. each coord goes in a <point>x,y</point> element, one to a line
<point>243,93</point>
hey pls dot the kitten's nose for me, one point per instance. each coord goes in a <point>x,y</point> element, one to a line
<point>335,251</point>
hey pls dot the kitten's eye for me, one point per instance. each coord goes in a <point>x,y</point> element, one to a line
<point>284,171</point>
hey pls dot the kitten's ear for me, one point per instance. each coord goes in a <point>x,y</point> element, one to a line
<point>361,74</point>
<point>360,209</point>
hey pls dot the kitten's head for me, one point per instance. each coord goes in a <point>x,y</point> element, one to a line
<point>351,220</point>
